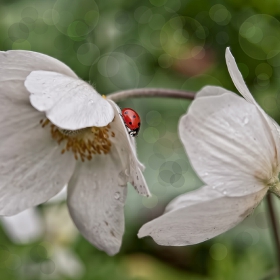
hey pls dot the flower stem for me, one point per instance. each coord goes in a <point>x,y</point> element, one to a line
<point>151,92</point>
<point>274,224</point>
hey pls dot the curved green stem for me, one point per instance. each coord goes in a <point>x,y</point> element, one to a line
<point>151,92</point>
<point>275,229</point>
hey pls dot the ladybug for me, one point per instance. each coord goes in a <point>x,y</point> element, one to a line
<point>132,121</point>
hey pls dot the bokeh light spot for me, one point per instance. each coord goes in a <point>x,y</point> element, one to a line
<point>18,32</point>
<point>164,147</point>
<point>220,14</point>
<point>218,251</point>
<point>13,262</point>
<point>151,134</point>
<point>29,14</point>
<point>153,118</point>
<point>51,17</point>
<point>108,66</point>
<point>259,36</point>
<point>88,54</point>
<point>155,161</point>
<point>47,267</point>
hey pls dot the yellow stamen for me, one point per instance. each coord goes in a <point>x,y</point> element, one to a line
<point>84,143</point>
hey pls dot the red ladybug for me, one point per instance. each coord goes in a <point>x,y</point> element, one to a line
<point>132,121</point>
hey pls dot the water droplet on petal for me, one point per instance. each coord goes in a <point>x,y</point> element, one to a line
<point>117,195</point>
<point>91,101</point>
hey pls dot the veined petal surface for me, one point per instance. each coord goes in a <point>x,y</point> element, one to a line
<point>211,91</point>
<point>96,197</point>
<point>16,65</point>
<point>69,103</point>
<point>229,144</point>
<point>33,169</point>
<point>244,91</point>
<point>199,215</point>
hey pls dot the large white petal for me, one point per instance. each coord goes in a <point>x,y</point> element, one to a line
<point>198,216</point>
<point>69,103</point>
<point>15,66</point>
<point>24,227</point>
<point>96,197</point>
<point>237,77</point>
<point>127,152</point>
<point>211,91</point>
<point>243,89</point>
<point>32,167</point>
<point>229,144</point>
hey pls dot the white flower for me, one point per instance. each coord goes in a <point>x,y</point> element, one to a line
<point>234,148</point>
<point>69,135</point>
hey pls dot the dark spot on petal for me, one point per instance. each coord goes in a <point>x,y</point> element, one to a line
<point>112,233</point>
<point>106,223</point>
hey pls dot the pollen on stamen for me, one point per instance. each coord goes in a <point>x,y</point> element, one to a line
<point>84,143</point>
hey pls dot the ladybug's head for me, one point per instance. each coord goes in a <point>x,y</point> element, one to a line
<point>134,132</point>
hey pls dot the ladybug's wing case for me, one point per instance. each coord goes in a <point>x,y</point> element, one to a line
<point>131,118</point>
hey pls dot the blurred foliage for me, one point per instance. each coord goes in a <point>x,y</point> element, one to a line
<point>178,44</point>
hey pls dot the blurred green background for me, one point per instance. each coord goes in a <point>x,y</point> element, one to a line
<point>123,44</point>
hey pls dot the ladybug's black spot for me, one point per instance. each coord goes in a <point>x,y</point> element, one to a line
<point>125,113</point>
<point>139,124</point>
<point>134,116</point>
<point>130,122</point>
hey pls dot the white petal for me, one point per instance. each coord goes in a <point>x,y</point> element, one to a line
<point>211,91</point>
<point>32,167</point>
<point>237,77</point>
<point>96,197</point>
<point>229,144</point>
<point>242,88</point>
<point>69,103</point>
<point>198,216</point>
<point>24,227</point>
<point>127,151</point>
<point>61,196</point>
<point>15,66</point>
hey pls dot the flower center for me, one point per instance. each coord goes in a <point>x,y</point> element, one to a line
<point>82,142</point>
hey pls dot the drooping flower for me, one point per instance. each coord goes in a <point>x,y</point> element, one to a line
<point>234,147</point>
<point>69,135</point>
